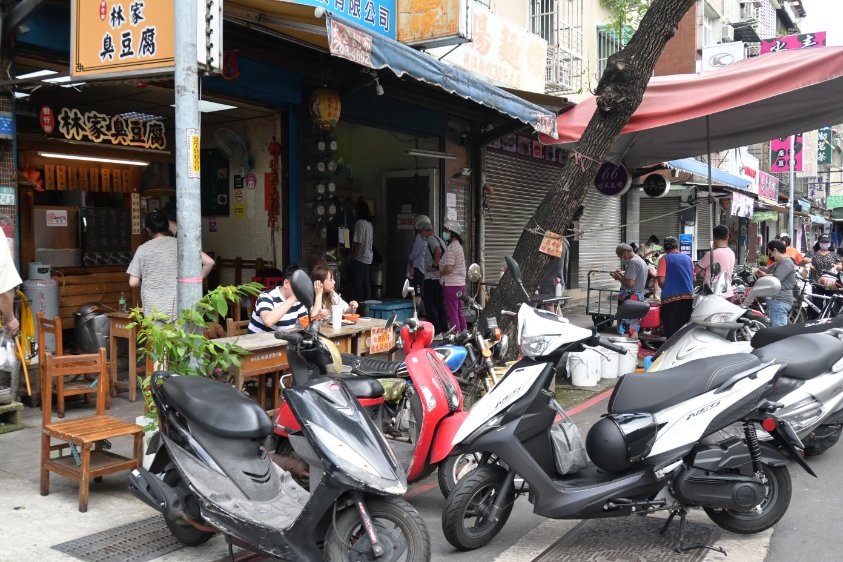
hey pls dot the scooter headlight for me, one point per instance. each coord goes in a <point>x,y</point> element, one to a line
<point>535,346</point>
<point>718,318</point>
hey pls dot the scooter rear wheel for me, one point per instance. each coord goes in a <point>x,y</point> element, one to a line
<point>399,527</point>
<point>464,521</point>
<point>766,514</point>
<point>184,532</point>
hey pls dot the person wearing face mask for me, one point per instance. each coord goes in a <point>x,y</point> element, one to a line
<point>823,259</point>
<point>452,274</point>
<point>785,270</point>
<point>633,282</point>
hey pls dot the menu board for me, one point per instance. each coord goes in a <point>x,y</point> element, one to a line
<point>107,235</point>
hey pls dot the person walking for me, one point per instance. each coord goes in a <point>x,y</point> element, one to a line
<point>452,274</point>
<point>785,270</point>
<point>432,297</point>
<point>723,255</point>
<point>278,309</point>
<point>633,279</point>
<point>154,267</point>
<point>676,279</point>
<point>361,252</point>
<point>9,280</point>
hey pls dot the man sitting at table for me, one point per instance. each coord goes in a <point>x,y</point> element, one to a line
<point>278,309</point>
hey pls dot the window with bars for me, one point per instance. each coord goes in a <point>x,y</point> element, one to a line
<point>608,43</point>
<point>559,22</point>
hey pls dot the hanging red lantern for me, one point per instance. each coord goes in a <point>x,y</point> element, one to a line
<point>325,108</point>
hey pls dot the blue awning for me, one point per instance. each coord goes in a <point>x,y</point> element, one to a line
<point>817,219</point>
<point>694,166</point>
<point>377,52</point>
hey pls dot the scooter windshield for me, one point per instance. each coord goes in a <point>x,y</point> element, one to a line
<point>541,332</point>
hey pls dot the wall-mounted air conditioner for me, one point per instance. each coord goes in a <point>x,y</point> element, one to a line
<point>727,33</point>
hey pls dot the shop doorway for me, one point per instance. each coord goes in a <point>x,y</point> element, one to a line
<point>407,194</point>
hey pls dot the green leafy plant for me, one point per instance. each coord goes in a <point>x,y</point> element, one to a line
<point>763,260</point>
<point>624,16</point>
<point>181,345</point>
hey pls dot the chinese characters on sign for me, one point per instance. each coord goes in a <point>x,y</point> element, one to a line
<point>377,16</point>
<point>612,180</point>
<point>351,44</point>
<point>793,42</point>
<point>780,149</point>
<point>824,145</point>
<point>99,127</point>
<point>122,36</point>
<point>768,187</point>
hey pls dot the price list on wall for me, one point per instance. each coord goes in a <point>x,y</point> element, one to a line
<point>107,236</point>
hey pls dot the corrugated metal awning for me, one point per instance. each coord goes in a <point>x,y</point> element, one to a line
<point>694,166</point>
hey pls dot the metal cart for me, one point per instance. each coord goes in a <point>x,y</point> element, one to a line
<point>601,301</point>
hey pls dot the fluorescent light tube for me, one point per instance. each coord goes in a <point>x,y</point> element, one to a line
<point>93,159</point>
<point>430,154</point>
<point>206,106</point>
<point>36,74</point>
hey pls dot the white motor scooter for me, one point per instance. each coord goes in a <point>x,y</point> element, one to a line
<point>810,391</point>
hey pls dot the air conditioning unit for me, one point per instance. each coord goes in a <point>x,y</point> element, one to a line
<point>727,33</point>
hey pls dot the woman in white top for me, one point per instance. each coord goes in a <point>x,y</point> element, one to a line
<point>324,284</point>
<point>452,274</point>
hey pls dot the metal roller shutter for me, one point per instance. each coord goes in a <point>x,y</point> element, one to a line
<point>652,207</point>
<point>601,233</point>
<point>519,186</point>
<point>702,240</point>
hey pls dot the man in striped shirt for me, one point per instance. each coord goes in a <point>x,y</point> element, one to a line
<point>278,309</point>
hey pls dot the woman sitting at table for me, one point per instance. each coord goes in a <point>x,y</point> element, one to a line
<point>326,297</point>
<point>278,309</point>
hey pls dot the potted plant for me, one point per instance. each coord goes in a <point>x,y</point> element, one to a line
<point>182,346</point>
<point>763,260</point>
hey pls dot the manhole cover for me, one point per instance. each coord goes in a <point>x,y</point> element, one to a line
<point>631,539</point>
<point>135,542</point>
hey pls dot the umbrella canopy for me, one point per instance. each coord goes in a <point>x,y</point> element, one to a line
<point>754,100</point>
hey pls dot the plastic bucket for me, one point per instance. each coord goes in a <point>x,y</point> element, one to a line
<point>611,359</point>
<point>584,368</point>
<point>626,363</point>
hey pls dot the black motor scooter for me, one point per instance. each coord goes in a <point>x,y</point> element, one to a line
<point>212,473</point>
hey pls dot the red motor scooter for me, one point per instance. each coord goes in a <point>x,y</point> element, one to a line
<point>420,429</point>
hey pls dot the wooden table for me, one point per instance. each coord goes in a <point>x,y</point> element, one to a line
<point>266,354</point>
<point>118,327</point>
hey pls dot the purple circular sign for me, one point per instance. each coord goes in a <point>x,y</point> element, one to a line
<point>612,180</point>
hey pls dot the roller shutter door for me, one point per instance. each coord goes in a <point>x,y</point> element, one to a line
<point>601,227</point>
<point>652,207</point>
<point>519,186</point>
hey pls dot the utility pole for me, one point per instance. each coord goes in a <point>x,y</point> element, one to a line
<point>790,200</point>
<point>188,125</point>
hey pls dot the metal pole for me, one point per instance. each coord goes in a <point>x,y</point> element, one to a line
<point>187,155</point>
<point>710,192</point>
<point>790,195</point>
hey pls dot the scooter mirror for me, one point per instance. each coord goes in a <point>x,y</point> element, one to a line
<point>719,286</point>
<point>767,286</point>
<point>715,270</point>
<point>303,288</point>
<point>407,289</point>
<point>632,310</point>
<point>514,269</point>
<point>474,273</point>
<point>390,322</point>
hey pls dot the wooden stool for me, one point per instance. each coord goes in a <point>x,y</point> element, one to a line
<point>83,437</point>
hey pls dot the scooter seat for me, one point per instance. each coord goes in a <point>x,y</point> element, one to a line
<point>371,367</point>
<point>804,356</point>
<point>216,407</point>
<point>362,386</point>
<point>650,392</point>
<point>772,335</point>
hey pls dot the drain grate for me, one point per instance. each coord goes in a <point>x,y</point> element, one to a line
<point>633,539</point>
<point>134,542</point>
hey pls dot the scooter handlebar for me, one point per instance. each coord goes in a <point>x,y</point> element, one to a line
<point>292,338</point>
<point>611,347</point>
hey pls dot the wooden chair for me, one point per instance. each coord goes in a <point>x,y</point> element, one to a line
<point>238,328</point>
<point>62,388</point>
<point>83,435</point>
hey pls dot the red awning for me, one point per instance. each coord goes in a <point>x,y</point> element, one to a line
<point>754,100</point>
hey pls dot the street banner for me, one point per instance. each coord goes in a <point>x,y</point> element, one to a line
<point>742,205</point>
<point>780,154</point>
<point>721,54</point>
<point>768,187</point>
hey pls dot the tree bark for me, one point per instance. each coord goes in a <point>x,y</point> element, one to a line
<point>619,94</point>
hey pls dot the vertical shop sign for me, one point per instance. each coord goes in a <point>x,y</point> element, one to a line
<point>823,146</point>
<point>136,214</point>
<point>780,156</point>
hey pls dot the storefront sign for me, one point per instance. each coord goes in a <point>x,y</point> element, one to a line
<point>100,128</point>
<point>739,162</point>
<point>612,180</point>
<point>686,244</point>
<point>502,51</point>
<point>137,37</point>
<point>721,54</point>
<point>656,185</point>
<point>793,42</point>
<point>768,187</point>
<point>423,25</point>
<point>765,216</point>
<point>742,205</point>
<point>376,16</point>
<point>780,149</point>
<point>351,44</point>
<point>7,125</point>
<point>47,120</point>
<point>823,146</point>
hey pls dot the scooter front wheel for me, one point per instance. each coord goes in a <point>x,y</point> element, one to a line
<point>399,527</point>
<point>465,519</point>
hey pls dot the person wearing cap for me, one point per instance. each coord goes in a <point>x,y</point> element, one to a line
<point>415,261</point>
<point>633,279</point>
<point>723,255</point>
<point>790,251</point>
<point>452,274</point>
<point>676,278</point>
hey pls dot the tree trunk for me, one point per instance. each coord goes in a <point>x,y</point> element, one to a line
<point>619,93</point>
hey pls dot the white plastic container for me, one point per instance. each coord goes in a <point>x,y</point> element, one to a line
<point>626,363</point>
<point>147,437</point>
<point>585,367</point>
<point>336,316</point>
<point>611,359</point>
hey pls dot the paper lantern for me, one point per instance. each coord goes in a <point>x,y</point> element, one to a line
<point>325,108</point>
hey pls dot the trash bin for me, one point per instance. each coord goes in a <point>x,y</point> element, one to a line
<point>92,329</point>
